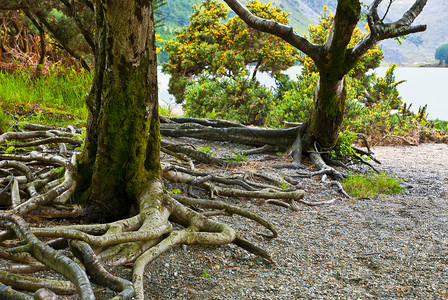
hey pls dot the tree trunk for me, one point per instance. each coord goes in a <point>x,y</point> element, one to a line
<point>121,154</point>
<point>330,95</point>
<point>328,113</point>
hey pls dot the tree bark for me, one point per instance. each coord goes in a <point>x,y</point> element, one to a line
<point>121,154</point>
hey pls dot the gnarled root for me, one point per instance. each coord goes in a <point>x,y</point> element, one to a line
<point>42,183</point>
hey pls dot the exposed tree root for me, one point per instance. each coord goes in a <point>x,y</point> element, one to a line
<point>228,210</point>
<point>40,184</point>
<point>237,134</point>
<point>197,155</point>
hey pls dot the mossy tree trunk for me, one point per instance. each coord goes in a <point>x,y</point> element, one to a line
<point>121,154</point>
<point>330,94</point>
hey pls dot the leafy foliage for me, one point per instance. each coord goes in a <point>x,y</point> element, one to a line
<point>62,31</point>
<point>237,99</point>
<point>205,275</point>
<point>58,31</point>
<point>218,49</point>
<point>373,103</point>
<point>238,157</point>
<point>319,33</point>
<point>343,148</point>
<point>294,99</point>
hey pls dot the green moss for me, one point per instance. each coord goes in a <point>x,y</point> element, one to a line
<point>128,140</point>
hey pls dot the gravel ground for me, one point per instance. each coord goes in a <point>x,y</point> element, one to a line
<point>390,247</point>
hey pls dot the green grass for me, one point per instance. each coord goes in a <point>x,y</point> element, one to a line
<point>4,121</point>
<point>284,185</point>
<point>238,157</point>
<point>206,149</point>
<point>167,111</point>
<point>368,185</point>
<point>55,98</point>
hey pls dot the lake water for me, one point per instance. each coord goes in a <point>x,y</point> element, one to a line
<point>422,86</point>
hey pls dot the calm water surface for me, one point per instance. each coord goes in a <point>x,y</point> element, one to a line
<point>422,86</point>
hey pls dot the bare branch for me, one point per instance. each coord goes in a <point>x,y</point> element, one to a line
<point>285,32</point>
<point>380,31</point>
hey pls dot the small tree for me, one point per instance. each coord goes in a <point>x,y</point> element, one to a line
<point>335,59</point>
<point>442,54</point>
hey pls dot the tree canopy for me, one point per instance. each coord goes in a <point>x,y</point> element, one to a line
<point>442,54</point>
<point>219,48</point>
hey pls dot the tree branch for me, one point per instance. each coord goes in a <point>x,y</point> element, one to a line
<point>380,31</point>
<point>87,35</point>
<point>285,32</point>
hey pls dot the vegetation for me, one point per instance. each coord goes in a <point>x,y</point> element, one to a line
<point>294,100</point>
<point>442,54</point>
<point>343,148</point>
<point>41,33</point>
<point>117,180</point>
<point>53,31</point>
<point>238,157</point>
<point>373,105</point>
<point>56,98</point>
<point>219,52</point>
<point>334,60</point>
<point>369,185</point>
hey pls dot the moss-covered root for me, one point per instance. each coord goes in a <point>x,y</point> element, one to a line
<point>229,209</point>
<point>199,230</point>
<point>47,255</point>
<point>99,274</point>
<point>38,199</point>
<point>31,283</point>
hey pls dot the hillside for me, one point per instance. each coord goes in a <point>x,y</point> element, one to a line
<point>417,48</point>
<point>420,47</point>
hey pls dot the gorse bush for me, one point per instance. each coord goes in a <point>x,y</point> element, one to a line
<point>226,90</point>
<point>220,48</point>
<point>235,99</point>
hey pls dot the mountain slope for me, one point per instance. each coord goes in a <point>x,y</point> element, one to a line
<point>420,47</point>
<point>416,48</point>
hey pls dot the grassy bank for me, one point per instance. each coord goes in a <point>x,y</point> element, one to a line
<point>53,98</point>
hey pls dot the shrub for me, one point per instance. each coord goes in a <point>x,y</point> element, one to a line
<point>293,101</point>
<point>238,99</point>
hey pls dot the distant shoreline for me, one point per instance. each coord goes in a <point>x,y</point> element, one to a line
<point>432,66</point>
